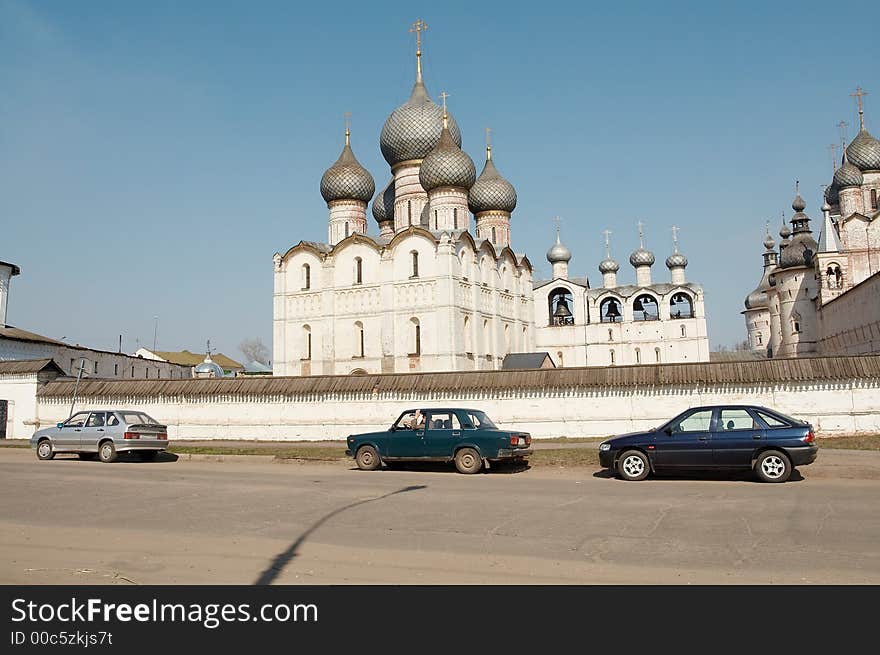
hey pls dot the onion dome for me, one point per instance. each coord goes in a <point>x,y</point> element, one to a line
<point>491,192</point>
<point>383,204</point>
<point>802,249</point>
<point>608,265</point>
<point>447,165</point>
<point>825,206</point>
<point>347,179</point>
<point>864,151</point>
<point>413,129</point>
<point>832,194</point>
<point>676,260</point>
<point>798,203</point>
<point>641,257</point>
<point>208,368</point>
<point>558,253</point>
<point>769,243</point>
<point>784,232</point>
<point>847,175</point>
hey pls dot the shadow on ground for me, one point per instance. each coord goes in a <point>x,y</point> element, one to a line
<point>281,560</point>
<point>709,476</point>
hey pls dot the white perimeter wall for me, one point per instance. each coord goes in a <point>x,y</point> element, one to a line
<point>21,392</point>
<point>846,407</point>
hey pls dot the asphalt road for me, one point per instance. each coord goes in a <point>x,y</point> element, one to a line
<point>257,521</point>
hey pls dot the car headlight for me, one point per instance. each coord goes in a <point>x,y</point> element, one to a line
<point>604,446</point>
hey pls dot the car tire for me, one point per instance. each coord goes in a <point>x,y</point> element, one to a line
<point>633,466</point>
<point>148,455</point>
<point>467,460</point>
<point>107,452</point>
<point>367,458</point>
<point>773,466</point>
<point>45,451</point>
<point>87,457</point>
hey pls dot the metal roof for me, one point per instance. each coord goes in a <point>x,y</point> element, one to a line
<point>18,366</point>
<point>525,360</point>
<point>742,372</point>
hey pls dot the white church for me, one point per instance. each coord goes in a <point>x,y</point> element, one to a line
<point>434,291</point>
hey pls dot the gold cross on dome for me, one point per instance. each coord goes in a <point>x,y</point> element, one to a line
<point>641,227</point>
<point>675,230</point>
<point>842,125</point>
<point>858,96</point>
<point>347,116</point>
<point>418,27</point>
<point>607,234</point>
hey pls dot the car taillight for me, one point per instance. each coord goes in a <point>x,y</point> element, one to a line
<point>514,440</point>
<point>132,435</point>
<point>520,440</point>
<point>810,438</point>
<point>161,436</point>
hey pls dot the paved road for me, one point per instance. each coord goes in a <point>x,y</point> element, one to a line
<point>199,522</point>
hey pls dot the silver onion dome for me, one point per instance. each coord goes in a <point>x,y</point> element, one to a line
<point>798,203</point>
<point>676,260</point>
<point>608,265</point>
<point>847,175</point>
<point>383,204</point>
<point>347,179</point>
<point>209,368</point>
<point>641,257</point>
<point>784,232</point>
<point>491,192</point>
<point>803,247</point>
<point>832,194</point>
<point>769,243</point>
<point>558,253</point>
<point>413,129</point>
<point>447,165</point>
<point>864,151</point>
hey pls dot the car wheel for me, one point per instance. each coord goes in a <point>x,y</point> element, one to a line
<point>44,450</point>
<point>367,458</point>
<point>773,466</point>
<point>467,460</point>
<point>88,457</point>
<point>107,452</point>
<point>148,455</point>
<point>633,465</point>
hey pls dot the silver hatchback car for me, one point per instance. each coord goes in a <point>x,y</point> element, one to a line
<point>103,433</point>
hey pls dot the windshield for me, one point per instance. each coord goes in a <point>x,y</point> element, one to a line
<point>480,421</point>
<point>131,418</point>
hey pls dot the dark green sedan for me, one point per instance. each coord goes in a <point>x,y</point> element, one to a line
<point>465,436</point>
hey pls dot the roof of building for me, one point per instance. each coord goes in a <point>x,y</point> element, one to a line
<point>186,358</point>
<point>10,332</point>
<point>16,270</point>
<point>18,366</point>
<point>736,356</point>
<point>767,371</point>
<point>526,361</point>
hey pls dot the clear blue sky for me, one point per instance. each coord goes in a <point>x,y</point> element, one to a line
<point>154,155</point>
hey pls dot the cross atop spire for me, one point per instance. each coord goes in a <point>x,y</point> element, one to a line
<point>858,96</point>
<point>833,148</point>
<point>445,95</point>
<point>843,125</point>
<point>641,234</point>
<point>347,116</point>
<point>208,351</point>
<point>607,234</point>
<point>488,143</point>
<point>418,27</point>
<point>675,230</point>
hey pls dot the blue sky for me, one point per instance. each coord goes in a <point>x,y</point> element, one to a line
<point>154,156</point>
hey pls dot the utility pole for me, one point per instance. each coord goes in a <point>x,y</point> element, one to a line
<point>155,332</point>
<point>82,365</point>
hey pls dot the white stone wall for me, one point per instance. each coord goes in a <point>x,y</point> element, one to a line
<point>758,328</point>
<point>21,393</point>
<point>845,407</point>
<point>346,218</point>
<point>850,324</point>
<point>796,291</point>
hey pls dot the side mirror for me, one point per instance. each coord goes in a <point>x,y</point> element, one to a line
<point>59,425</point>
<point>668,430</point>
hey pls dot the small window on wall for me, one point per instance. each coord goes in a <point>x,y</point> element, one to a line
<point>132,371</point>
<point>684,331</point>
<point>416,336</point>
<point>610,335</point>
<point>455,218</point>
<point>116,370</point>
<point>346,230</point>
<point>435,219</point>
<point>415,264</point>
<point>638,356</point>
<point>409,211</point>
<point>797,327</point>
<point>559,357</point>
<point>96,368</point>
<point>657,355</point>
<point>873,198</point>
<point>307,276</point>
<point>358,270</point>
<point>612,357</point>
<point>493,235</point>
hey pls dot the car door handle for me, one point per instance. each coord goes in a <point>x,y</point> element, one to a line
<point>456,433</point>
<point>78,430</point>
<point>100,429</point>
<point>756,436</point>
<point>420,434</point>
<point>703,438</point>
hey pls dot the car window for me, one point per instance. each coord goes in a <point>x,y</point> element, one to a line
<point>443,421</point>
<point>77,420</point>
<point>695,422</point>
<point>737,419</point>
<point>771,420</point>
<point>480,421</point>
<point>406,421</point>
<point>131,418</point>
<point>96,420</point>
<point>111,419</point>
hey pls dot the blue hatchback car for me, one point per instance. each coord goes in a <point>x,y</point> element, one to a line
<point>731,437</point>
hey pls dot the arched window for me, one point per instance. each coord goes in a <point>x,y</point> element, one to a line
<point>506,339</point>
<point>610,311</point>
<point>760,339</point>
<point>559,357</point>
<point>657,355</point>
<point>307,342</point>
<point>435,219</point>
<point>468,347</point>
<point>487,338</point>
<point>611,352</point>
<point>797,327</point>
<point>873,198</point>
<point>493,235</point>
<point>358,339</point>
<point>409,211</point>
<point>559,304</point>
<point>645,308</point>
<point>834,276</point>
<point>638,355</point>
<point>610,335</point>
<point>416,343</point>
<point>681,306</point>
<point>684,331</point>
<point>346,229</point>
<point>307,277</point>
<point>358,270</point>
<point>455,217</point>
<point>415,263</point>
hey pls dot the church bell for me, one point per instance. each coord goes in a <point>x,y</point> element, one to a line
<point>612,312</point>
<point>562,310</point>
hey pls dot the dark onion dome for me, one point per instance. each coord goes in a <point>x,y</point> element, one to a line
<point>847,175</point>
<point>608,265</point>
<point>383,204</point>
<point>676,260</point>
<point>491,192</point>
<point>447,165</point>
<point>802,249</point>
<point>756,299</point>
<point>784,232</point>
<point>832,194</point>
<point>798,203</point>
<point>769,243</point>
<point>347,179</point>
<point>558,253</point>
<point>641,257</point>
<point>413,129</point>
<point>864,151</point>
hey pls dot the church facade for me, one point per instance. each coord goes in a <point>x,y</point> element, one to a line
<point>436,291</point>
<point>820,298</point>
